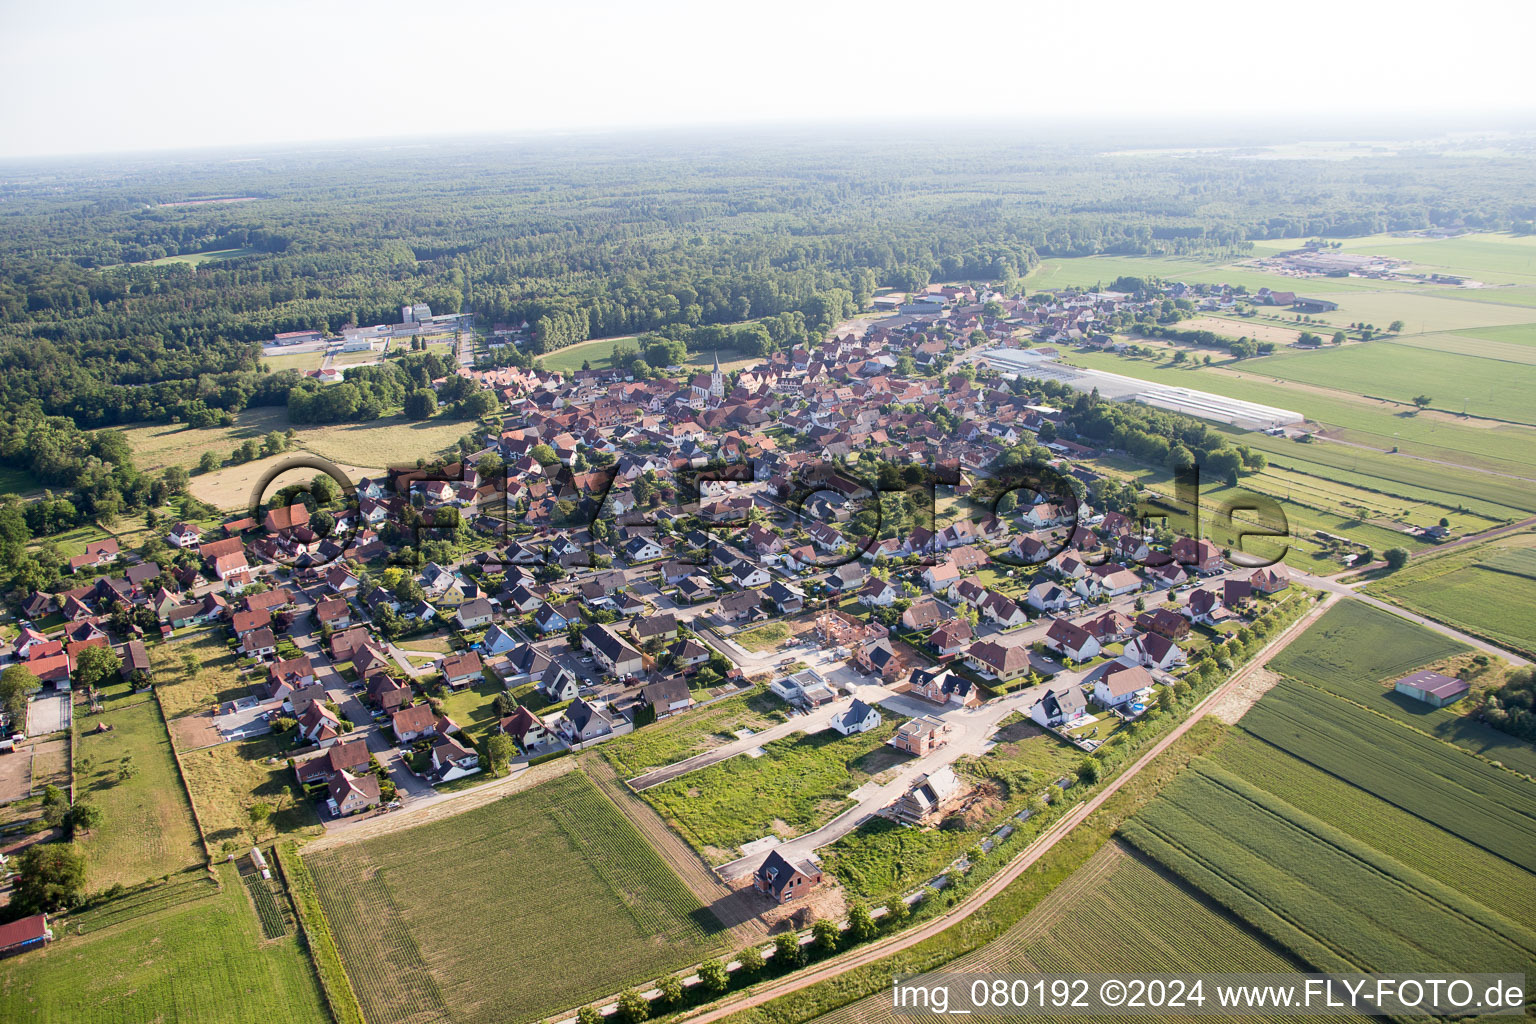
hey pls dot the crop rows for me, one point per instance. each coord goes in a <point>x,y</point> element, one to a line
<point>1329,897</point>
<point>382,959</point>
<point>1354,646</point>
<point>1441,783</point>
<point>551,886</point>
<point>1490,880</point>
<point>268,911</point>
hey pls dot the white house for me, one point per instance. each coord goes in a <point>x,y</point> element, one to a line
<point>1153,651</point>
<point>1048,597</point>
<point>857,717</point>
<point>1122,685</point>
<point>1071,641</point>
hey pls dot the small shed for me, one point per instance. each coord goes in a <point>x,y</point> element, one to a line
<point>1432,688</point>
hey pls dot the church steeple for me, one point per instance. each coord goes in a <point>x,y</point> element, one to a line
<point>717,378</point>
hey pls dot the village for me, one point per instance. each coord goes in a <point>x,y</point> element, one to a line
<point>622,552</point>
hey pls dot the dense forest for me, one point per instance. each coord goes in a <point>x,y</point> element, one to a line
<point>140,291</point>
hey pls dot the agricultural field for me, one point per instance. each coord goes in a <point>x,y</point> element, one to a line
<point>1115,913</point>
<point>147,826</point>
<point>1335,902</point>
<point>673,739</point>
<point>1357,652</point>
<point>375,445</point>
<point>1471,870</point>
<point>1514,334</point>
<point>1239,327</point>
<point>232,488</point>
<point>433,921</point>
<point>1501,448</point>
<point>1353,641</point>
<point>173,952</point>
<point>1088,271</point>
<point>226,780</point>
<point>195,675</point>
<point>1454,381</point>
<point>799,784</point>
<point>1436,781</point>
<point>1488,591</point>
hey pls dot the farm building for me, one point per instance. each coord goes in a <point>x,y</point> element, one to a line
<point>28,933</point>
<point>1432,688</point>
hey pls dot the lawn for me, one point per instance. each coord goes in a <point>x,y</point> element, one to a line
<point>474,708</point>
<point>509,912</point>
<point>799,784</point>
<point>1488,591</point>
<point>1334,901</point>
<point>195,675</point>
<point>882,859</point>
<point>301,361</point>
<point>147,828</point>
<point>226,780</point>
<point>177,953</point>
<point>681,736</point>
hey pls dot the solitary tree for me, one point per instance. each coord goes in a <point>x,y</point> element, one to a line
<point>633,1007</point>
<point>860,925</point>
<point>1396,558</point>
<point>84,818</point>
<point>751,960</point>
<point>259,814</point>
<point>50,877</point>
<point>1422,401</point>
<point>787,953</point>
<point>97,666</point>
<point>825,936</point>
<point>713,975</point>
<point>589,1015</point>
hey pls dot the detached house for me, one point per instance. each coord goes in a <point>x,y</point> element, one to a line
<point>1122,685</point>
<point>461,671</point>
<point>1057,708</point>
<point>1202,556</point>
<point>783,880</point>
<point>1071,641</point>
<point>527,730</point>
<point>352,794</point>
<point>857,717</point>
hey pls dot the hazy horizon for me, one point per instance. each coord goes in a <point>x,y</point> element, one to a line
<point>93,79</point>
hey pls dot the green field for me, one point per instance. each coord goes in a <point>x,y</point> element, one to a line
<point>1490,880</point>
<point>799,784</point>
<point>226,780</point>
<point>1488,591</point>
<point>1454,381</point>
<point>533,904</point>
<point>1436,781</point>
<point>1357,652</point>
<point>193,259</point>
<point>681,736</point>
<point>1115,913</point>
<point>1353,642</point>
<point>598,352</point>
<point>1336,902</point>
<point>178,952</point>
<point>1507,448</point>
<point>147,829</point>
<point>301,361</point>
<point>1515,334</point>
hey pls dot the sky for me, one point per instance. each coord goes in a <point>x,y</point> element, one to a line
<point>104,76</point>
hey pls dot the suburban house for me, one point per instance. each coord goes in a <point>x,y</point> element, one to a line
<point>951,637</point>
<point>1122,685</point>
<point>319,724</point>
<point>451,760</point>
<point>474,614</point>
<point>1163,622</point>
<point>1049,597</point>
<point>609,650</point>
<point>1201,555</point>
<point>418,722</point>
<point>352,756</point>
<point>943,686</point>
<point>461,670</point>
<point>584,722</point>
<point>1071,641</point>
<point>1006,662</point>
<point>921,736</point>
<point>857,717</point>
<point>1057,708</point>
<point>1152,650</point>
<point>1270,580</point>
<point>782,880</point>
<point>667,696</point>
<point>387,693</point>
<point>930,797</point>
<point>527,730</point>
<point>352,794</point>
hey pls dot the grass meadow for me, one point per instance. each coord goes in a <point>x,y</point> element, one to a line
<point>147,829</point>
<point>188,951</point>
<point>215,679</point>
<point>224,781</point>
<point>509,912</point>
<point>682,736</point>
